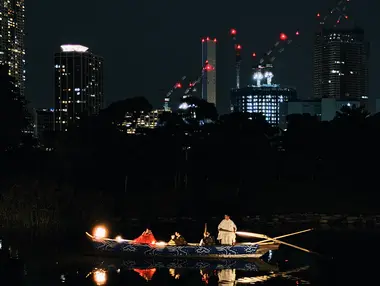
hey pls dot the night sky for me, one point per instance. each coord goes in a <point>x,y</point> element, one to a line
<point>147,45</point>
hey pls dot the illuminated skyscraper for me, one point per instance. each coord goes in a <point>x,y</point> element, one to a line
<point>209,78</point>
<point>12,49</point>
<point>265,99</point>
<point>341,64</point>
<point>78,85</point>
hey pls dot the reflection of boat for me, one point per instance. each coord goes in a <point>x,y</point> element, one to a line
<point>161,249</point>
<point>227,277</point>
<point>99,276</point>
<point>287,275</point>
<point>147,274</point>
<point>256,265</point>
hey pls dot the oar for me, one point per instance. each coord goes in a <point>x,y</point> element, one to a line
<point>259,235</point>
<point>285,235</point>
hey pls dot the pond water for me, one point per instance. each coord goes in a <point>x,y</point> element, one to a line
<point>342,256</point>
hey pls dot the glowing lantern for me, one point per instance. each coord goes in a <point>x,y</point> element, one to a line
<point>100,232</point>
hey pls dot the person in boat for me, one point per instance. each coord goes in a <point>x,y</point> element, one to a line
<point>179,239</point>
<point>227,231</point>
<point>207,240</point>
<point>146,237</point>
<point>172,240</point>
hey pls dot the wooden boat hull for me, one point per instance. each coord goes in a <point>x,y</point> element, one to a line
<point>125,247</point>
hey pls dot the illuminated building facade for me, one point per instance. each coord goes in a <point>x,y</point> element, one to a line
<point>12,49</point>
<point>265,99</point>
<point>78,85</point>
<point>341,64</point>
<point>148,120</point>
<point>209,77</point>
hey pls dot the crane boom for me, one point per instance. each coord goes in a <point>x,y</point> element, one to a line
<point>206,67</point>
<point>237,48</point>
<point>170,92</point>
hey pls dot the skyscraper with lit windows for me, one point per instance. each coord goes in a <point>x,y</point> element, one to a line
<point>78,85</point>
<point>265,99</point>
<point>12,49</point>
<point>341,59</point>
<point>209,77</point>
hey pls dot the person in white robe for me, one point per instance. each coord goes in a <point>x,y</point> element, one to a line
<point>227,231</point>
<point>227,277</point>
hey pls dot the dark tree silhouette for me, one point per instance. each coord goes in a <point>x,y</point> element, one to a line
<point>14,117</point>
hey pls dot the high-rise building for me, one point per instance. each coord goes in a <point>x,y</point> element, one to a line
<point>341,64</point>
<point>12,49</point>
<point>265,99</point>
<point>209,77</point>
<point>78,85</point>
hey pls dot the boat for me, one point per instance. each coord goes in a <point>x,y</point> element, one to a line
<point>121,246</point>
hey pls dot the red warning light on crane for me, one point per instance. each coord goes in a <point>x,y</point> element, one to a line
<point>283,36</point>
<point>215,40</point>
<point>297,33</point>
<point>209,67</point>
<point>233,32</point>
<point>346,17</point>
<point>238,47</point>
<point>253,54</point>
<point>178,85</point>
<point>318,15</point>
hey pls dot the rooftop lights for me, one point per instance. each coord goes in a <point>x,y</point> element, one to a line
<point>74,48</point>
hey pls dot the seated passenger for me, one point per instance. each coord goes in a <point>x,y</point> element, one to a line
<point>172,240</point>
<point>179,239</point>
<point>146,237</point>
<point>207,240</point>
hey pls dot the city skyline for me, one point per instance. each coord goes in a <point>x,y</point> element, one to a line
<point>162,65</point>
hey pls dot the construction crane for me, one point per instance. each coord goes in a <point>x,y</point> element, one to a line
<point>264,68</point>
<point>340,8</point>
<point>237,48</point>
<point>170,92</point>
<point>206,67</point>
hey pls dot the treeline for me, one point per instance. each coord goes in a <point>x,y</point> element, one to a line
<point>97,171</point>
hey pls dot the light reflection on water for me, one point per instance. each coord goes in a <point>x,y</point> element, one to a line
<point>353,254</point>
<point>220,277</point>
<point>196,273</point>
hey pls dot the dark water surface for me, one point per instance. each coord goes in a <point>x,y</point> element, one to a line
<point>345,256</point>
